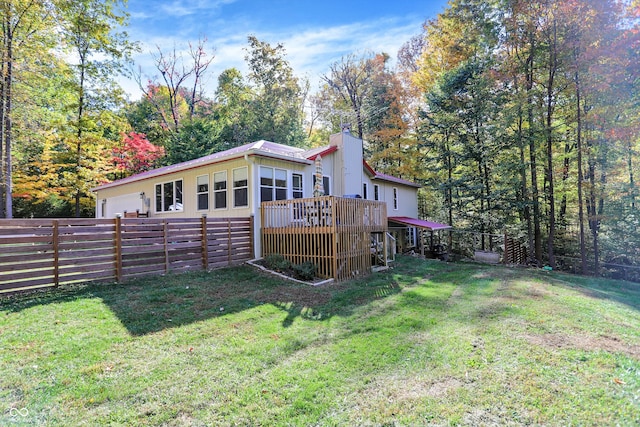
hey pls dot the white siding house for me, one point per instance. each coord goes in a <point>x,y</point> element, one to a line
<point>233,183</point>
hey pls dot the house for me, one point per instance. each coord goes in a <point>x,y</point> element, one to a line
<point>234,182</point>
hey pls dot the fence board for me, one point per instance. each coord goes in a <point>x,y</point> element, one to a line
<point>34,283</point>
<point>16,275</point>
<point>11,260</point>
<point>24,239</point>
<point>44,252</point>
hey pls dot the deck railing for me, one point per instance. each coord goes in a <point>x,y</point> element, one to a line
<point>332,232</point>
<point>340,213</point>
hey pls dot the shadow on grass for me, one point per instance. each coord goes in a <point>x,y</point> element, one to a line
<point>623,292</point>
<point>480,279</point>
<point>152,304</point>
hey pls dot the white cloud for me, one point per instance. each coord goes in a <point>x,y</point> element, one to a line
<point>310,50</point>
<point>181,8</point>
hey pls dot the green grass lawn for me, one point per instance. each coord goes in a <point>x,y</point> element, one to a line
<point>426,343</point>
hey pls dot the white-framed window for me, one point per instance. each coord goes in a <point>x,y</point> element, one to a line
<point>364,190</point>
<point>411,237</point>
<point>273,184</point>
<point>240,188</point>
<point>395,199</point>
<point>376,192</point>
<point>220,190</point>
<point>325,184</point>
<point>296,185</point>
<point>169,196</point>
<point>202,192</point>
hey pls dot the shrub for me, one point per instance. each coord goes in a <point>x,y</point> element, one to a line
<point>305,271</point>
<point>277,262</point>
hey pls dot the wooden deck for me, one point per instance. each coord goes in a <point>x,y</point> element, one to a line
<point>332,232</point>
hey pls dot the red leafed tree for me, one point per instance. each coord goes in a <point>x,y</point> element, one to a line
<point>136,154</point>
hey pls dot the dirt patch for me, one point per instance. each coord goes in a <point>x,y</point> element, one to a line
<point>399,389</point>
<point>455,296</point>
<point>299,295</point>
<point>585,342</point>
<point>442,388</point>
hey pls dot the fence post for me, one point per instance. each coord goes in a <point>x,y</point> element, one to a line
<point>229,241</point>
<point>118,245</point>
<point>56,253</point>
<point>252,246</point>
<point>165,232</point>
<point>205,243</point>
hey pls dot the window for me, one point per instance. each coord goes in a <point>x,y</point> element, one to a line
<point>220,190</point>
<point>240,188</point>
<point>364,190</point>
<point>273,184</point>
<point>296,184</point>
<point>325,184</point>
<point>202,192</point>
<point>411,237</point>
<point>376,192</point>
<point>169,196</point>
<point>395,198</point>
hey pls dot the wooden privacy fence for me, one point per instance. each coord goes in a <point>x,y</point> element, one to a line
<point>334,233</point>
<point>38,253</point>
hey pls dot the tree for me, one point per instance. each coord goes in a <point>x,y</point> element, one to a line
<point>176,74</point>
<point>546,114</point>
<point>24,24</point>
<point>277,102</point>
<point>350,80</point>
<point>88,29</point>
<point>232,107</point>
<point>136,154</point>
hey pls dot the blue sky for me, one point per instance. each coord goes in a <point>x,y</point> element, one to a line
<point>314,33</point>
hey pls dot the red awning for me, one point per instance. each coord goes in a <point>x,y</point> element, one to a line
<point>414,222</point>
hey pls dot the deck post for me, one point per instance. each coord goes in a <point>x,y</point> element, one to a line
<point>334,235</point>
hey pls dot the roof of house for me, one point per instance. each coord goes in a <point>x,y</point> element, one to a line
<point>422,223</point>
<point>384,177</point>
<point>259,148</point>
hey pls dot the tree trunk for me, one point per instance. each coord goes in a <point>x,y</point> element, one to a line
<point>2,113</point>
<point>79,133</point>
<point>553,65</point>
<point>5,105</point>
<point>562,216</point>
<point>583,251</point>
<point>523,178</point>
<point>535,198</point>
<point>8,210</point>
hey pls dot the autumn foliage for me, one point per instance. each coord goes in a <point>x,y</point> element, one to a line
<point>136,154</point>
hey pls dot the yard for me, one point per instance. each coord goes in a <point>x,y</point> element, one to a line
<point>425,343</point>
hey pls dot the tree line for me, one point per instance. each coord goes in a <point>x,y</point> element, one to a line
<point>516,116</point>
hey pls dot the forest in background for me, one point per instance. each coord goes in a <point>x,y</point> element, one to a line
<point>515,116</point>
